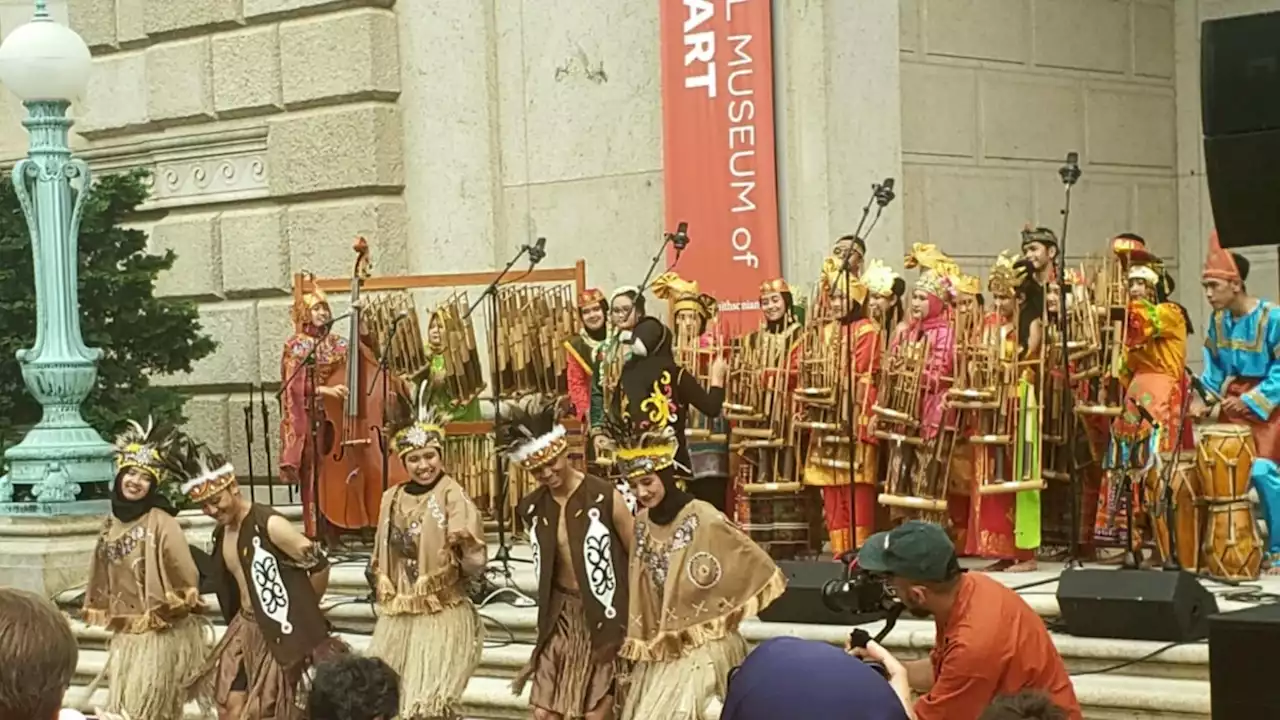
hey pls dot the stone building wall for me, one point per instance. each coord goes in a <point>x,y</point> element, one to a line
<point>449,133</point>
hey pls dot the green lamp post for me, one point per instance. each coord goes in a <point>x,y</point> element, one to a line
<point>46,65</point>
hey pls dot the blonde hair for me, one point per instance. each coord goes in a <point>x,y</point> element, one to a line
<point>38,656</point>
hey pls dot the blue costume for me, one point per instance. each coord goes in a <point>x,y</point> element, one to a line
<point>1242,359</point>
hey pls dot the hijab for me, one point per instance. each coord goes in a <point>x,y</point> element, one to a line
<point>126,510</point>
<point>673,499</point>
<point>788,677</point>
<point>651,356</point>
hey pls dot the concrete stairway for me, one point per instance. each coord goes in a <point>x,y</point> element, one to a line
<point>1169,685</point>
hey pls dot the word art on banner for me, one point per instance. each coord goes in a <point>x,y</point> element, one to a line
<point>719,161</point>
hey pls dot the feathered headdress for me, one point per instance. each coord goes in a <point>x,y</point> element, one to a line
<point>530,431</point>
<point>205,473</point>
<point>684,295</point>
<point>834,274</point>
<point>146,449</point>
<point>879,278</point>
<point>308,296</point>
<point>414,428</point>
<point>1007,275</point>
<point>638,453</point>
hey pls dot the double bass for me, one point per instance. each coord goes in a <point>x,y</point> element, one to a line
<point>349,485</point>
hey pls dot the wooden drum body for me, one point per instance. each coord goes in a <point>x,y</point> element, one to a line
<point>1231,544</point>
<point>1187,501</point>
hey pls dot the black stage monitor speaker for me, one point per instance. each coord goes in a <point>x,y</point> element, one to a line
<point>1239,643</point>
<point>1135,605</point>
<point>802,600</point>
<point>1240,113</point>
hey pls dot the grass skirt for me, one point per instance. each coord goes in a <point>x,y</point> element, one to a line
<point>435,655</point>
<point>147,670</point>
<point>682,689</point>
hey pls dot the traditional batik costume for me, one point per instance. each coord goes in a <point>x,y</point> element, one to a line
<point>144,588</point>
<point>430,541</point>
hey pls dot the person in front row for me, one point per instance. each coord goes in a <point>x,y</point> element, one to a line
<point>38,656</point>
<point>1242,368</point>
<point>693,578</point>
<point>269,579</point>
<point>580,532</point>
<point>989,642</point>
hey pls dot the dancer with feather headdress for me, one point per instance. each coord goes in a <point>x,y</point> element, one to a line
<point>143,584</point>
<point>269,579</point>
<point>430,541</point>
<point>580,530</point>
<point>694,577</point>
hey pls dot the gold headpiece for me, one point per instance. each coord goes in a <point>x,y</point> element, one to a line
<point>777,285</point>
<point>531,433</point>
<point>208,473</point>
<point>413,428</point>
<point>144,449</point>
<point>967,284</point>
<point>926,256</point>
<point>834,274</point>
<point>1007,275</point>
<point>934,282</point>
<point>1144,273</point>
<point>648,453</point>
<point>879,278</point>
<point>684,295</point>
<point>307,297</point>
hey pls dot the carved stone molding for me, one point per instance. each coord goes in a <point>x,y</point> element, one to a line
<point>194,170</point>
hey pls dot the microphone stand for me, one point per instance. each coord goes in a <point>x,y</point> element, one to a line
<point>1070,174</point>
<point>382,374</point>
<point>679,240</point>
<point>881,196</point>
<point>248,441</point>
<point>266,437</point>
<point>492,317</point>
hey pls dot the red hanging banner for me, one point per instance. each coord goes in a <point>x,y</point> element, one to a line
<point>720,169</point>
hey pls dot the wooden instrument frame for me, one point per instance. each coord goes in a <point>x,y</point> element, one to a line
<point>381,283</point>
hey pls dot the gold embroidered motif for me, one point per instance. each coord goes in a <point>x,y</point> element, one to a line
<point>657,405</point>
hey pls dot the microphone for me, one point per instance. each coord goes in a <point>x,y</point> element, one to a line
<point>1070,172</point>
<point>537,251</point>
<point>1208,396</point>
<point>884,192</point>
<point>680,240</point>
<point>328,325</point>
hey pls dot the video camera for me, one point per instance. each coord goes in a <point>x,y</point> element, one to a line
<point>865,596</point>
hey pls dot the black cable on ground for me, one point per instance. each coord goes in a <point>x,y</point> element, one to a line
<point>1135,661</point>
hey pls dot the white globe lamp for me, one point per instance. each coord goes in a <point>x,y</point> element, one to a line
<point>44,61</point>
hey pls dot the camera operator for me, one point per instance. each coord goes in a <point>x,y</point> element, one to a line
<point>787,677</point>
<point>989,642</point>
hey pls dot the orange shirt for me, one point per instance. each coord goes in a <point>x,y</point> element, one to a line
<point>993,644</point>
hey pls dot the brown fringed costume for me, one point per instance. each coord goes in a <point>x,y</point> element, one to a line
<point>144,588</point>
<point>693,577</point>
<point>580,560</point>
<point>430,541</point>
<point>275,628</point>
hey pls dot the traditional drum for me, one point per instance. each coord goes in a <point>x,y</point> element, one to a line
<point>1231,544</point>
<point>1185,480</point>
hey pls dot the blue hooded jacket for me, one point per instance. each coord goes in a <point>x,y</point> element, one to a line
<point>792,679</point>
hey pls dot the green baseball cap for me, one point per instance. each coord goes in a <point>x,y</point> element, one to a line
<point>915,550</point>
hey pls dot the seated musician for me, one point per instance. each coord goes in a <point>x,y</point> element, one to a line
<point>853,337</point>
<point>435,394</point>
<point>1155,358</point>
<point>657,393</point>
<point>692,311</point>
<point>1242,369</point>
